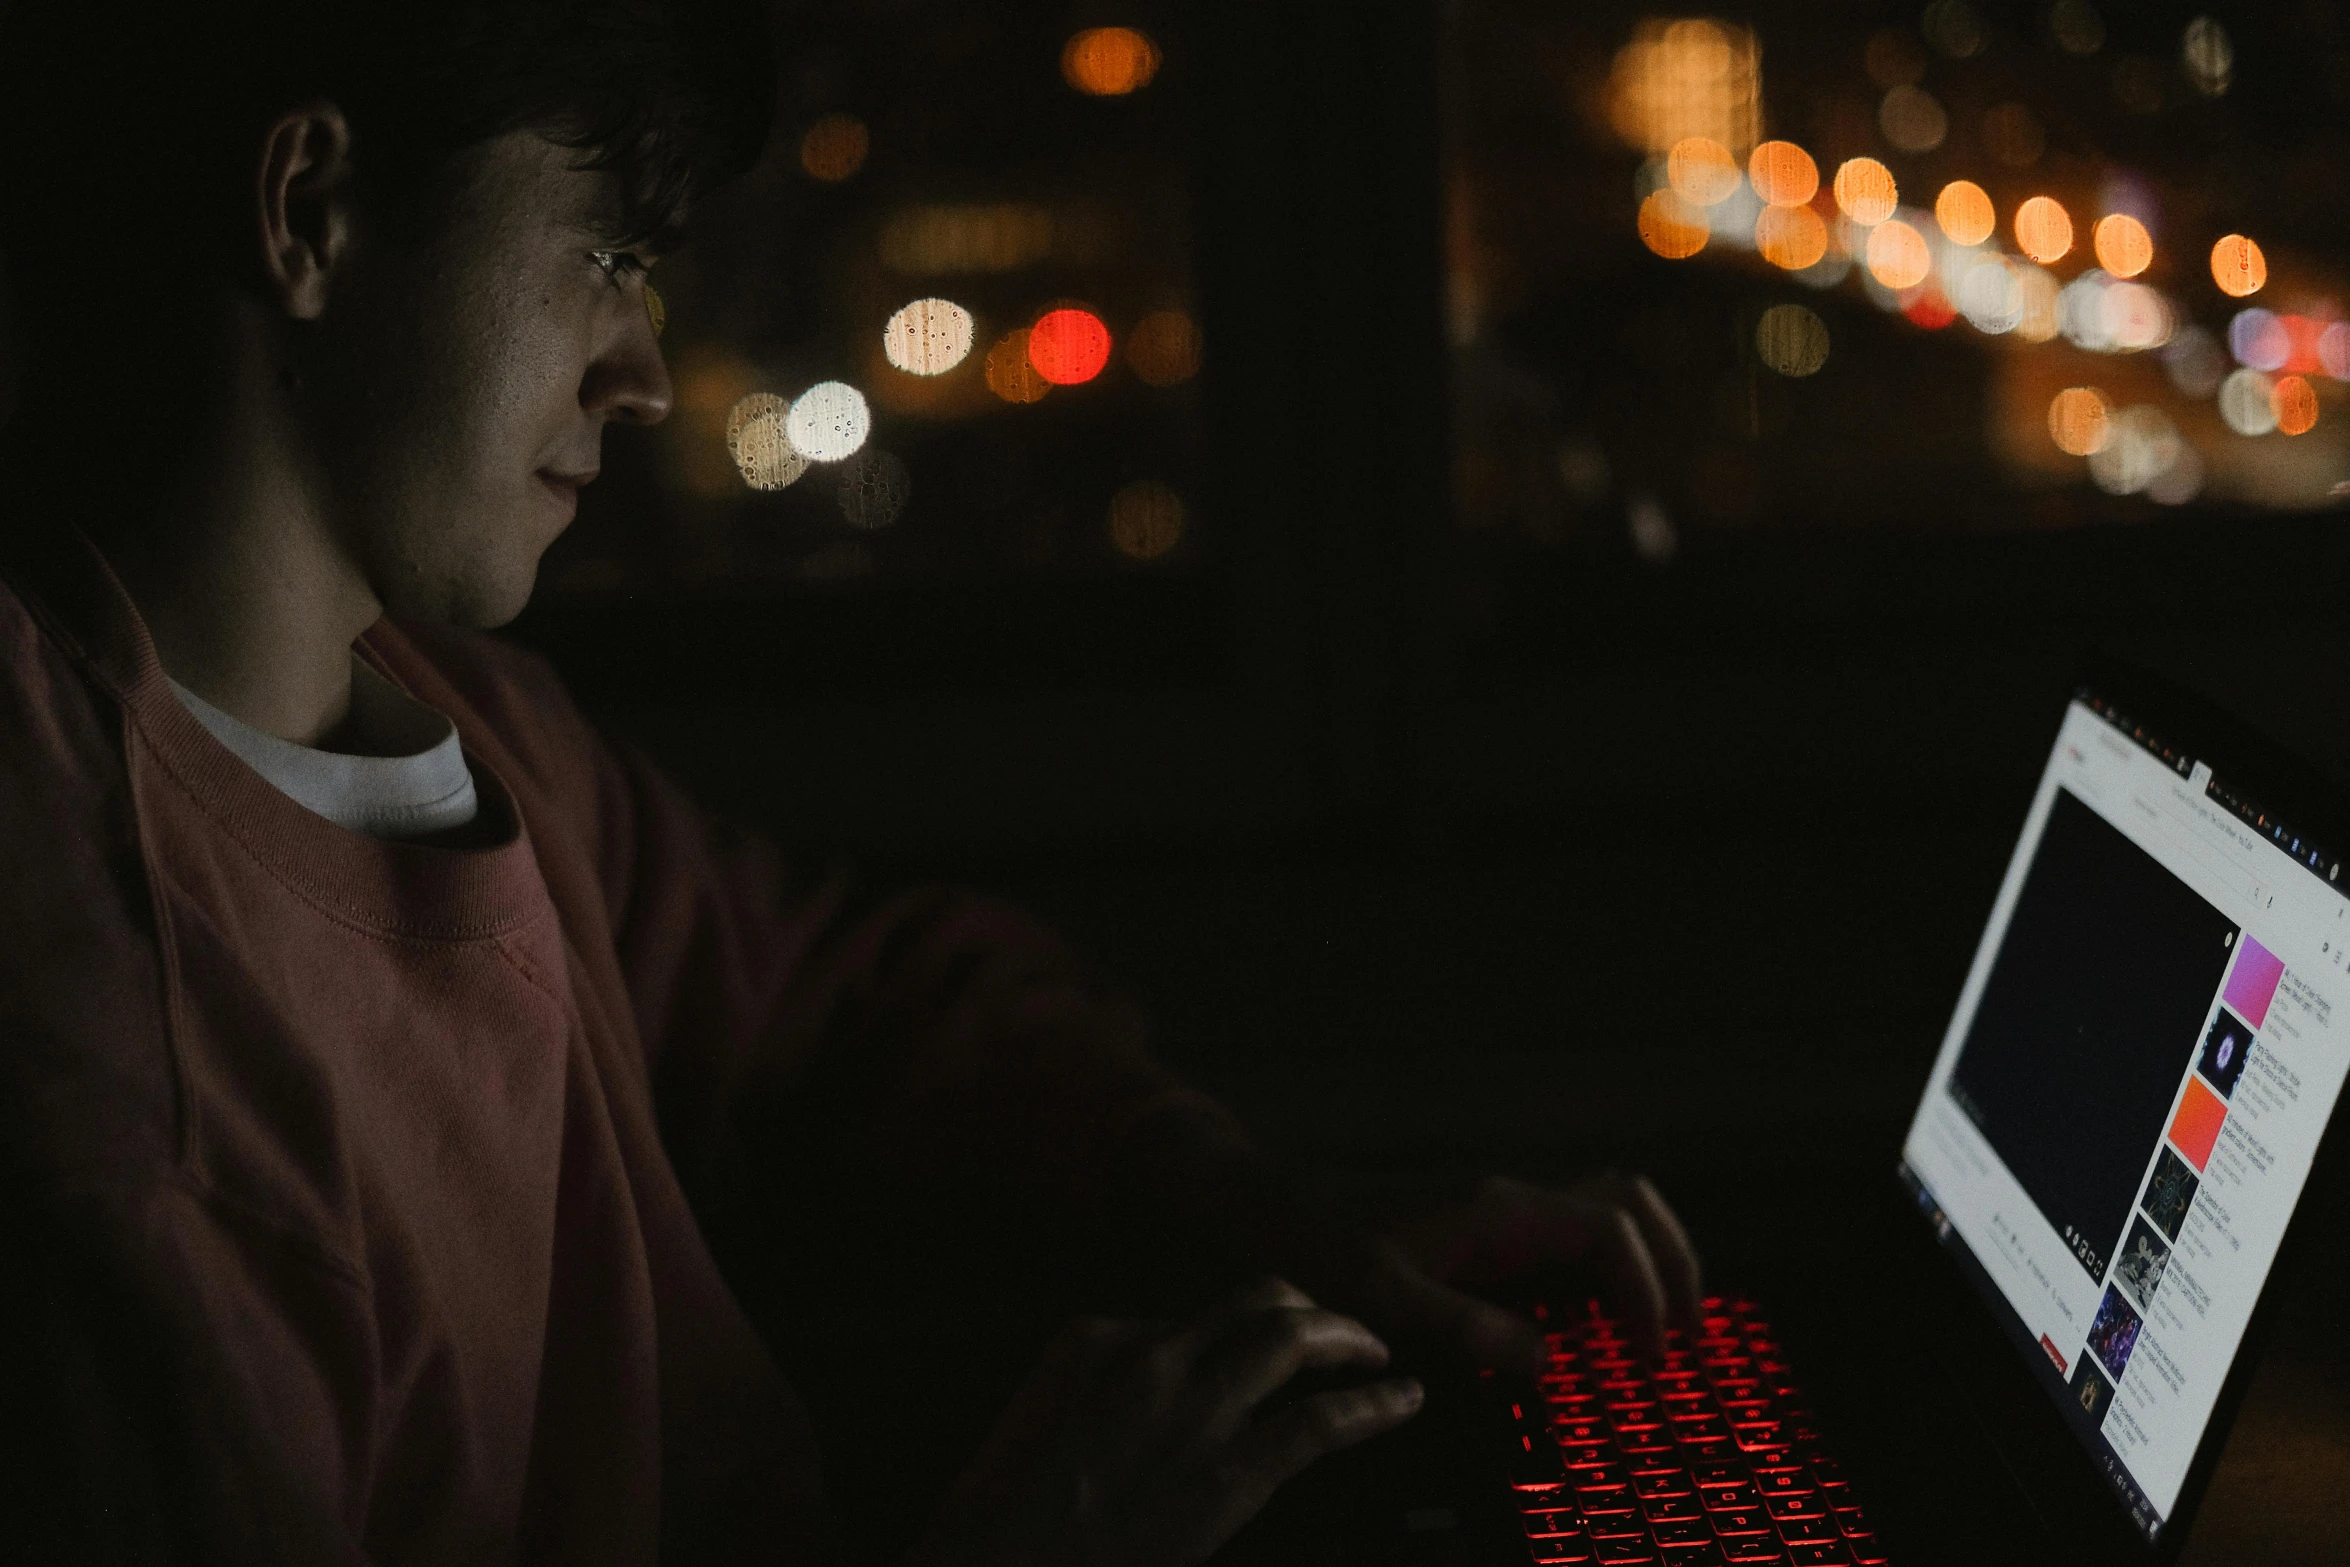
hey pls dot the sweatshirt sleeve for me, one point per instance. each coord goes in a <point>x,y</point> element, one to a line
<point>933,1032</point>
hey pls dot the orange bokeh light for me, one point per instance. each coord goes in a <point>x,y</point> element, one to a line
<point>1069,346</point>
<point>834,147</point>
<point>1164,348</point>
<point>1701,171</point>
<point>2124,248</point>
<point>2238,267</point>
<point>1671,227</point>
<point>2042,229</point>
<point>2296,405</point>
<point>1898,255</point>
<point>1866,192</point>
<point>1783,174</point>
<point>1790,237</point>
<point>1964,210</point>
<point>1009,374</point>
<point>1109,62</point>
<point>2078,420</point>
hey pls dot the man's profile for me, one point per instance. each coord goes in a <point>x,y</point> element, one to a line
<point>376,1041</point>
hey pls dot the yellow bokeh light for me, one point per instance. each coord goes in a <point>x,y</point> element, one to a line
<point>1783,174</point>
<point>1791,340</point>
<point>1865,191</point>
<point>1964,210</point>
<point>2079,421</point>
<point>757,439</point>
<point>2037,292</point>
<point>1701,171</point>
<point>2042,229</point>
<point>1672,227</point>
<point>1899,256</point>
<point>1790,237</point>
<point>1109,62</point>
<point>2123,246</point>
<point>1146,519</point>
<point>834,147</point>
<point>2295,401</point>
<point>1687,78</point>
<point>2238,267</point>
<point>928,337</point>
<point>1164,348</point>
<point>1009,374</point>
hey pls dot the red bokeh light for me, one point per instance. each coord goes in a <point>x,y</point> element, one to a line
<point>1069,346</point>
<point>1929,310</point>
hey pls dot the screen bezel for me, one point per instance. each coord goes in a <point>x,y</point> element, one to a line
<point>2289,788</point>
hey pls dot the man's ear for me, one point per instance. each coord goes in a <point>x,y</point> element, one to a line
<point>304,209</point>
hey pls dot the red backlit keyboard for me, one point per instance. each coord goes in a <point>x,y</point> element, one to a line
<point>1707,1457</point>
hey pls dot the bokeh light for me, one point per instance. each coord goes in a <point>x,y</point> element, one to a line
<point>1965,213</point>
<point>1926,306</point>
<point>1953,27</point>
<point>1790,237</point>
<point>2078,420</point>
<point>1791,340</point>
<point>1672,227</point>
<point>1009,374</point>
<point>874,488</point>
<point>829,421</point>
<point>1865,191</point>
<point>757,440</point>
<point>1069,346</point>
<point>1109,62</point>
<point>2333,350</point>
<point>1164,348</point>
<point>2042,230</point>
<point>2077,26</point>
<point>1898,255</point>
<point>2141,445</point>
<point>1912,119</point>
<point>1685,78</point>
<point>2136,317</point>
<point>2123,246</point>
<point>2257,338</point>
<point>2209,57</point>
<point>928,337</point>
<point>1783,174</point>
<point>2247,403</point>
<point>834,148</point>
<point>2238,267</point>
<point>1701,171</point>
<point>2296,405</point>
<point>2038,322</point>
<point>1991,296</point>
<point>1146,519</point>
<point>2194,361</point>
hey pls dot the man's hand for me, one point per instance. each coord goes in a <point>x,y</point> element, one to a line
<point>1143,1445</point>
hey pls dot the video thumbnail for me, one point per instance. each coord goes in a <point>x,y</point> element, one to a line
<point>2194,1129</point>
<point>2224,1051</point>
<point>2140,1266</point>
<point>2170,1192</point>
<point>2091,1391</point>
<point>2115,1332</point>
<point>2253,985</point>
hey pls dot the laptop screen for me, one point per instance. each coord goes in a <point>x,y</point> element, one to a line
<point>2133,1088</point>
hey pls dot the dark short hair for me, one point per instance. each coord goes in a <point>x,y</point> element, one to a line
<point>121,118</point>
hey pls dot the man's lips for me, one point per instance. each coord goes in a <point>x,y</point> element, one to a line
<point>566,486</point>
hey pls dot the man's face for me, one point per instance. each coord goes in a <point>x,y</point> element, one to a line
<point>456,386</point>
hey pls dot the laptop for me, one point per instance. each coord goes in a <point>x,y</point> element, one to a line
<point>2036,1348</point>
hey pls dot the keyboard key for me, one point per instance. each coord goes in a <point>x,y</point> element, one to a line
<point>1853,1522</point>
<point>1565,1431</point>
<point>1866,1552</point>
<point>1669,1509</point>
<point>1706,1555</point>
<point>1734,1521</point>
<point>1784,1507</point>
<point>1699,1430</point>
<point>1832,1554</point>
<point>1560,1548</point>
<point>1781,1481</point>
<point>1681,1531</point>
<point>1613,1529</point>
<point>1596,1499</point>
<point>1722,1452</point>
<point>1827,1471</point>
<point>1542,1498</point>
<point>1623,1553</point>
<point>1661,1482</point>
<point>1808,1531</point>
<point>1762,1549</point>
<point>1552,1523</point>
<point>1717,1474</point>
<point>1739,1498</point>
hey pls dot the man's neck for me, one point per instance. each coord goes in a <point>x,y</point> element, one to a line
<point>251,601</point>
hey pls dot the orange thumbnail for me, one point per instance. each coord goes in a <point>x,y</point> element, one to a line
<point>2196,1127</point>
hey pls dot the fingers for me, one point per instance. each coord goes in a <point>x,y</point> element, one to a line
<point>1592,1224</point>
<point>1488,1335</point>
<point>1233,1488</point>
<point>1668,1247</point>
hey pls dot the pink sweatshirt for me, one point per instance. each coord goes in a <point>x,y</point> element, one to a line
<point>339,1223</point>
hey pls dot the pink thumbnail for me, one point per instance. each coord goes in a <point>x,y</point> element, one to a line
<point>2254,984</point>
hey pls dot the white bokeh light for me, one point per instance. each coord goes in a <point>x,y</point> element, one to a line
<point>928,337</point>
<point>829,421</point>
<point>2247,402</point>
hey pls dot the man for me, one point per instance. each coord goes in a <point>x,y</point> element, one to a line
<point>386,1057</point>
